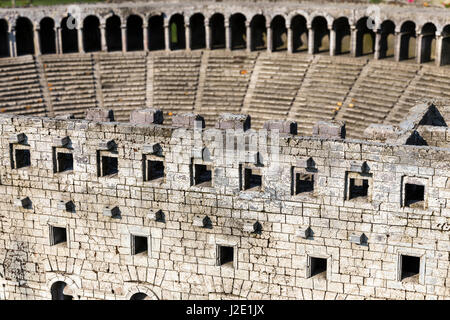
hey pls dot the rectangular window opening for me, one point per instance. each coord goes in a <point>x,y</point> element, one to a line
<point>65,161</point>
<point>304,183</point>
<point>318,267</point>
<point>139,245</point>
<point>155,170</point>
<point>359,188</point>
<point>226,256</point>
<point>414,195</point>
<point>109,166</point>
<point>252,181</point>
<point>410,267</point>
<point>58,235</point>
<point>23,158</point>
<point>202,174</point>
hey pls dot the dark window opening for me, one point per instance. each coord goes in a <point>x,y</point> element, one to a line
<point>342,29</point>
<point>428,46</point>
<point>57,291</point>
<point>259,32</point>
<point>414,194</point>
<point>252,180</point>
<point>445,52</point>
<point>177,32</point>
<point>113,34</point>
<point>202,174</point>
<point>304,183</point>
<point>226,256</point>
<point>69,37</point>
<point>238,31</point>
<point>23,158</point>
<point>217,23</point>
<point>318,266</point>
<point>408,41</point>
<point>156,33</point>
<point>24,36</point>
<point>4,39</point>
<point>65,161</point>
<point>197,25</point>
<point>91,34</point>
<point>387,41</point>
<point>279,34</point>
<point>109,165</point>
<point>410,266</point>
<point>321,35</point>
<point>139,244</point>
<point>47,36</point>
<point>58,235</point>
<point>139,296</point>
<point>365,38</point>
<point>135,34</point>
<point>359,188</point>
<point>155,169</point>
<point>299,34</point>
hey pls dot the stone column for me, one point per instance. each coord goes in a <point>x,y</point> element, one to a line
<point>269,43</point>
<point>290,40</point>
<point>377,44</point>
<point>103,43</point>
<point>398,43</point>
<point>80,40</point>
<point>353,40</point>
<point>187,29</point>
<point>145,36</point>
<point>438,58</point>
<point>208,33</point>
<point>123,29</point>
<point>58,40</point>
<point>228,36</point>
<point>36,40</point>
<point>332,41</point>
<point>12,43</point>
<point>311,49</point>
<point>419,49</point>
<point>167,36</point>
<point>249,36</point>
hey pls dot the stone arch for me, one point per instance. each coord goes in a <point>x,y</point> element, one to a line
<point>407,40</point>
<point>60,285</point>
<point>24,36</point>
<point>156,33</point>
<point>4,38</point>
<point>238,31</point>
<point>279,33</point>
<point>259,32</point>
<point>69,37</point>
<point>177,32</point>
<point>321,34</point>
<point>135,34</point>
<point>113,33</point>
<point>343,35</point>
<point>91,34</point>
<point>387,39</point>
<point>365,38</point>
<point>142,290</point>
<point>428,43</point>
<point>198,35</point>
<point>299,33</point>
<point>445,51</point>
<point>217,25</point>
<point>47,35</point>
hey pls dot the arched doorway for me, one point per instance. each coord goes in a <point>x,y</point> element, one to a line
<point>342,28</point>
<point>57,291</point>
<point>279,33</point>
<point>91,34</point>
<point>24,36</point>
<point>321,35</point>
<point>258,32</point>
<point>177,32</point>
<point>428,43</point>
<point>4,39</point>
<point>217,25</point>
<point>387,39</point>
<point>407,41</point>
<point>365,38</point>
<point>197,25</point>
<point>445,54</point>
<point>299,34</point>
<point>238,31</point>
<point>156,33</point>
<point>113,34</point>
<point>140,296</point>
<point>47,36</point>
<point>135,34</point>
<point>69,37</point>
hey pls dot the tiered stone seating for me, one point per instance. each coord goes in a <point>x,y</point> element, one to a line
<point>175,81</point>
<point>327,82</point>
<point>123,82</point>
<point>20,89</point>
<point>375,93</point>
<point>71,83</point>
<point>431,82</point>
<point>225,84</point>
<point>278,79</point>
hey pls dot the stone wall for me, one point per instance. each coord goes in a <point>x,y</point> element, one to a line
<point>274,233</point>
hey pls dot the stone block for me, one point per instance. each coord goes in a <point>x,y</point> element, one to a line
<point>303,232</point>
<point>155,215</point>
<point>65,116</point>
<point>251,227</point>
<point>188,120</point>
<point>100,115</point>
<point>200,221</point>
<point>60,142</point>
<point>330,129</point>
<point>152,148</point>
<point>381,132</point>
<point>17,138</point>
<point>233,121</point>
<point>112,212</point>
<point>283,126</point>
<point>24,202</point>
<point>359,238</point>
<point>106,145</point>
<point>146,116</point>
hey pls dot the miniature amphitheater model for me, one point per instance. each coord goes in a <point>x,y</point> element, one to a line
<point>209,150</point>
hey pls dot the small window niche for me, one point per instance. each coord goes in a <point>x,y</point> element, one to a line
<point>201,174</point>
<point>58,236</point>
<point>302,182</point>
<point>62,160</point>
<point>359,186</point>
<point>226,256</point>
<point>317,267</point>
<point>153,168</point>
<point>139,245</point>
<point>251,178</point>
<point>415,192</point>
<point>108,164</point>
<point>409,268</point>
<point>20,156</point>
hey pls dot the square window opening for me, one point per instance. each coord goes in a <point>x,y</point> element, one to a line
<point>58,235</point>
<point>23,158</point>
<point>226,256</point>
<point>414,195</point>
<point>202,174</point>
<point>359,188</point>
<point>252,181</point>
<point>65,161</point>
<point>304,183</point>
<point>139,245</point>
<point>109,166</point>
<point>155,169</point>
<point>410,267</point>
<point>318,267</point>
